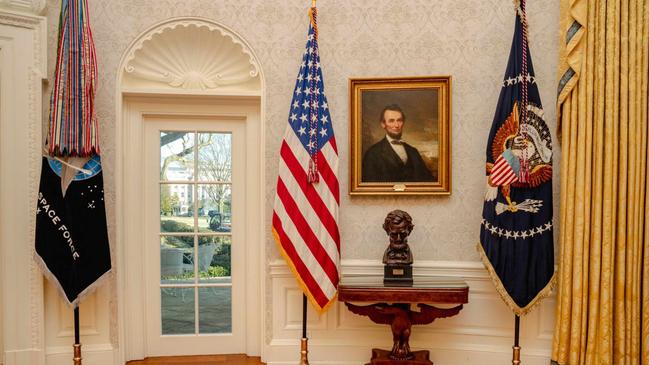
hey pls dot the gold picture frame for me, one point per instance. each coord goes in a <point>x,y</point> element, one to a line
<point>410,152</point>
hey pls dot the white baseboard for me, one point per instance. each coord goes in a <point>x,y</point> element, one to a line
<point>23,357</point>
<point>90,354</point>
<point>285,354</point>
<point>481,333</point>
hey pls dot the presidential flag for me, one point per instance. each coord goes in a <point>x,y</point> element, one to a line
<point>516,241</point>
<point>71,240</point>
<point>305,214</point>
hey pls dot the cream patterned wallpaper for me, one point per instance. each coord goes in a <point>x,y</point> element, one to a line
<point>469,40</point>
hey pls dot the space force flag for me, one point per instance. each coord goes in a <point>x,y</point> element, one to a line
<point>516,243</point>
<point>71,240</point>
<point>305,214</point>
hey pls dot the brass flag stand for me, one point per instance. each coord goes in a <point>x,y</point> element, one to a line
<point>77,343</point>
<point>516,355</point>
<point>304,343</point>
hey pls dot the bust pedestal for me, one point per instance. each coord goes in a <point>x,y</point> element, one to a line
<point>397,275</point>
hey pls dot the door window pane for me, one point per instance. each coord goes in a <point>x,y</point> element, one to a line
<point>176,208</point>
<point>215,263</point>
<point>177,259</point>
<point>215,310</point>
<point>215,157</point>
<point>216,202</point>
<point>176,156</point>
<point>177,311</point>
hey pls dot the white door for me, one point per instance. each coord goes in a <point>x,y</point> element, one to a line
<point>195,235</point>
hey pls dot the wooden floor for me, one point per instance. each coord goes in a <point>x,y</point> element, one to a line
<point>199,360</point>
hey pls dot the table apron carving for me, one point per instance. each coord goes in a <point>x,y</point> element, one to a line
<point>401,317</point>
<point>395,306</point>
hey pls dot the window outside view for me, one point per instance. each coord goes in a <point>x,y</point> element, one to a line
<point>195,232</point>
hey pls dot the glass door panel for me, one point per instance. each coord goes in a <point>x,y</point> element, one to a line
<point>214,157</point>
<point>176,208</point>
<point>216,201</point>
<point>177,156</point>
<point>205,211</point>
<point>219,268</point>
<point>215,308</point>
<point>200,287</point>
<point>178,316</point>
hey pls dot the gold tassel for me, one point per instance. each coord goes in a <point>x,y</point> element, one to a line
<point>312,173</point>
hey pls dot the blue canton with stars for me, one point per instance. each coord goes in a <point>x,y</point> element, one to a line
<point>309,115</point>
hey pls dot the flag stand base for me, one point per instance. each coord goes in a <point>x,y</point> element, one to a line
<point>304,360</point>
<point>77,354</point>
<point>516,356</point>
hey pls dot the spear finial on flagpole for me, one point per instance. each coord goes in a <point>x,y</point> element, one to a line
<point>313,17</point>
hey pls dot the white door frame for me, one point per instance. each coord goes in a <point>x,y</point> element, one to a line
<point>130,184</point>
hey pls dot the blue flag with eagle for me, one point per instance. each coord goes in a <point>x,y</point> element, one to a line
<point>516,241</point>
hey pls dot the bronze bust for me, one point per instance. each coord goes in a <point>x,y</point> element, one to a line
<point>398,257</point>
<point>398,226</point>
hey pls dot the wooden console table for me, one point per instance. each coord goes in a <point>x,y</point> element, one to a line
<point>392,305</point>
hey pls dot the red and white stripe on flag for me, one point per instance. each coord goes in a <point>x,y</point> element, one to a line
<point>305,219</point>
<point>502,172</point>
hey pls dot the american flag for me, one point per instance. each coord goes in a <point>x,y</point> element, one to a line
<point>505,169</point>
<point>305,215</point>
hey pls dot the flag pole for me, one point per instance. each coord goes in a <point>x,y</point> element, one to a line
<point>304,360</point>
<point>77,343</point>
<point>516,355</point>
<point>304,343</point>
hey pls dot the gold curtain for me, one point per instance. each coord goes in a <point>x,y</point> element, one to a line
<point>603,297</point>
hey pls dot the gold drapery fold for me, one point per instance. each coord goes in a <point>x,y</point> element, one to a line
<point>603,296</point>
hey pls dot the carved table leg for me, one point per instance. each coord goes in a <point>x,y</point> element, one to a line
<point>401,318</point>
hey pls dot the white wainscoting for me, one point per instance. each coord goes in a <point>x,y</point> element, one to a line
<point>94,328</point>
<point>23,46</point>
<point>481,333</point>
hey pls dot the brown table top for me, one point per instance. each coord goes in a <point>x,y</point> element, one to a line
<point>423,290</point>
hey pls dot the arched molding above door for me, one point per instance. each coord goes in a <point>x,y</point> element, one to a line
<point>190,54</point>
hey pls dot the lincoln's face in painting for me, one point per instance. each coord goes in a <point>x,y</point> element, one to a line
<point>392,120</point>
